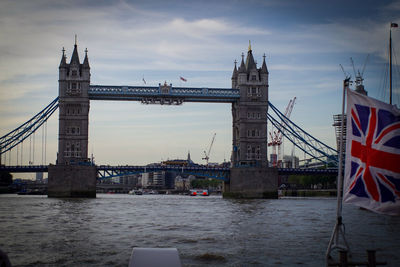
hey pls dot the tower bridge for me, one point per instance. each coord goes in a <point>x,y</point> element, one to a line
<point>249,174</point>
<point>248,95</point>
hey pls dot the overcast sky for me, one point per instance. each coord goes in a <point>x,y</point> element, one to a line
<point>304,41</point>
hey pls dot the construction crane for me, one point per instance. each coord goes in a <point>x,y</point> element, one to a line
<point>359,76</point>
<point>277,135</point>
<point>207,154</point>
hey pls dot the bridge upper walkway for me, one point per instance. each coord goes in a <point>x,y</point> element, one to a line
<point>163,94</point>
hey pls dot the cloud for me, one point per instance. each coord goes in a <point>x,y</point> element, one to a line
<point>129,39</point>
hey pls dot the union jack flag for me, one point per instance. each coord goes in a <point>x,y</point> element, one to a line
<point>372,169</point>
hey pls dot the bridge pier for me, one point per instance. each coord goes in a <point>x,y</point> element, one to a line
<point>72,181</point>
<point>252,182</point>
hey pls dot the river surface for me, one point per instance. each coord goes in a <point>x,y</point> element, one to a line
<point>212,231</point>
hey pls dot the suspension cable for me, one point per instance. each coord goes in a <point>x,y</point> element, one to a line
<point>42,144</point>
<point>16,136</point>
<point>22,152</point>
<point>303,140</point>
<point>33,148</point>
<point>30,150</point>
<point>45,143</point>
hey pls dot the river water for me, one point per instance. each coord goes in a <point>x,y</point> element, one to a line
<point>41,231</point>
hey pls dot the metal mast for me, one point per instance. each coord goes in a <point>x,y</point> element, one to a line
<point>392,25</point>
<point>335,242</point>
<point>390,64</point>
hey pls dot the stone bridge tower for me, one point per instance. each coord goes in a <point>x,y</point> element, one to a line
<point>73,174</point>
<point>74,82</point>
<point>250,175</point>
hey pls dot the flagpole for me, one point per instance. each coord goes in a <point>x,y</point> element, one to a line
<point>390,65</point>
<point>339,227</point>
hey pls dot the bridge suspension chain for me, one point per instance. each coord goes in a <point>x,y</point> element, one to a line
<point>28,129</point>
<point>303,140</point>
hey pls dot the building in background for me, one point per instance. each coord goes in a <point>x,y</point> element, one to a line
<point>183,183</point>
<point>290,161</point>
<point>153,179</point>
<point>39,177</point>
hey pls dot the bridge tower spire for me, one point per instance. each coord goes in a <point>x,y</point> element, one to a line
<point>72,156</point>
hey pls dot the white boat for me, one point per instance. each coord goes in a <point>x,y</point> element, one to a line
<point>135,192</point>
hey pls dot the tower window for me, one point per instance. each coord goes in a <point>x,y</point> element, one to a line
<point>253,77</point>
<point>74,73</point>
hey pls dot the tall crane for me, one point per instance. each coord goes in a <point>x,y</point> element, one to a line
<point>277,135</point>
<point>207,154</point>
<point>359,76</point>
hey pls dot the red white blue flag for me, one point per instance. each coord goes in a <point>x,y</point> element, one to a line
<point>182,79</point>
<point>372,168</point>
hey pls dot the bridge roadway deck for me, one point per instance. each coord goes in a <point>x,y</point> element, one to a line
<point>138,169</point>
<point>163,94</point>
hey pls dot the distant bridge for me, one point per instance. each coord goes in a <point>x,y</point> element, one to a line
<point>221,173</point>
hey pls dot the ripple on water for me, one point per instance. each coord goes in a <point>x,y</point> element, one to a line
<point>206,231</point>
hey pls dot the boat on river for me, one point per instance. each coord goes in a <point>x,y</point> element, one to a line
<point>199,192</point>
<point>135,192</point>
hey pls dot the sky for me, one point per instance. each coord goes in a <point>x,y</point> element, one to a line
<point>304,43</point>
